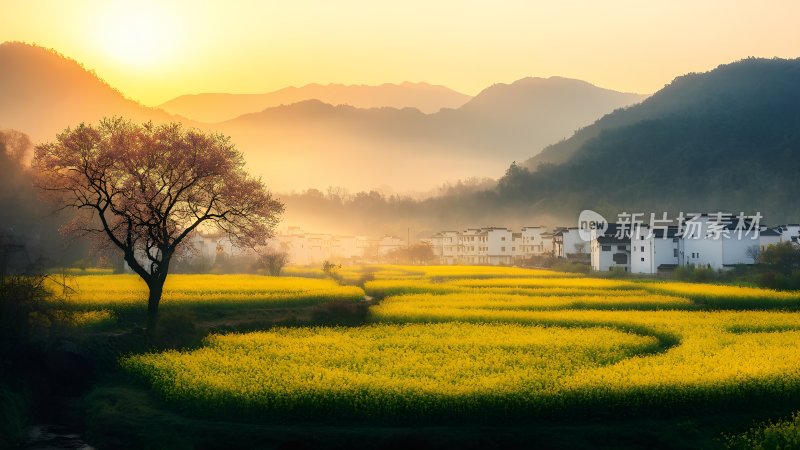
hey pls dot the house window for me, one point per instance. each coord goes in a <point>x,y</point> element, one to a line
<point>621,247</point>
<point>502,249</point>
<point>606,248</point>
<point>503,238</point>
<point>643,248</point>
<point>642,259</point>
<point>674,252</point>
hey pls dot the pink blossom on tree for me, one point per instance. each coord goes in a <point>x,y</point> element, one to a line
<point>148,187</point>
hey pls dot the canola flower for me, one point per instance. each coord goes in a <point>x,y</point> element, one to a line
<point>438,273</point>
<point>473,272</point>
<point>707,354</point>
<point>386,288</point>
<point>459,342</point>
<point>354,274</point>
<point>383,369</point>
<point>729,297</point>
<point>512,362</point>
<point>300,271</point>
<point>82,271</point>
<point>572,282</point>
<point>90,319</point>
<point>509,301</point>
<point>119,292</point>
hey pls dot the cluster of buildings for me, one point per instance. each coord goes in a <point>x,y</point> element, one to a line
<point>702,241</point>
<point>304,248</point>
<point>310,248</point>
<point>490,245</point>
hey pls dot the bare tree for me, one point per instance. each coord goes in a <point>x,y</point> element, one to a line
<point>147,187</point>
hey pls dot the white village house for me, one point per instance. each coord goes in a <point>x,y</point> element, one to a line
<point>700,242</point>
<point>703,241</point>
<point>535,241</point>
<point>490,245</point>
<point>567,243</point>
<point>445,246</point>
<point>655,250</point>
<point>609,251</point>
<point>789,233</point>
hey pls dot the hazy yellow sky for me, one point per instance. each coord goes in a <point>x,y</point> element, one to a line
<point>155,50</point>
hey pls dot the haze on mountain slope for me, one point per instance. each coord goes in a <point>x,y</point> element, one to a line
<point>42,92</point>
<point>315,144</point>
<point>409,150</point>
<point>219,107</point>
<point>726,140</point>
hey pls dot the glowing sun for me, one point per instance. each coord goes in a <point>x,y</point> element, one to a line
<point>137,35</point>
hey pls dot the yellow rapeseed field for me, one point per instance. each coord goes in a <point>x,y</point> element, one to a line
<point>384,369</point>
<point>116,292</point>
<point>456,342</point>
<point>735,297</point>
<point>509,301</point>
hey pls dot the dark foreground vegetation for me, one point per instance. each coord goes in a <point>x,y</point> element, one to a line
<point>56,372</point>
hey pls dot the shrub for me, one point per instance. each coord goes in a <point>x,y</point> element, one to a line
<point>572,266</point>
<point>696,273</point>
<point>28,314</point>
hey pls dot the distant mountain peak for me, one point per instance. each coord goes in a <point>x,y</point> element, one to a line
<point>317,135</point>
<point>723,140</point>
<point>213,108</point>
<point>692,91</point>
<point>553,94</point>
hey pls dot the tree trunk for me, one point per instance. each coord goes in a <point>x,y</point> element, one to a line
<point>156,289</point>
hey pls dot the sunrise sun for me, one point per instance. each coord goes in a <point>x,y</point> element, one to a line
<point>137,35</point>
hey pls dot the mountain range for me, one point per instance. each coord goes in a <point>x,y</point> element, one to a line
<point>726,140</point>
<point>311,143</point>
<point>406,148</point>
<point>42,93</point>
<point>219,107</point>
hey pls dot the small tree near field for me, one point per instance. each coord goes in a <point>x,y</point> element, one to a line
<point>274,261</point>
<point>146,188</point>
<point>783,258</point>
<point>753,252</point>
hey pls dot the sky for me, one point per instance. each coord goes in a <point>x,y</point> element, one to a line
<point>156,50</point>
